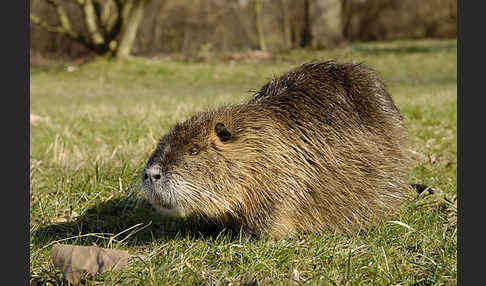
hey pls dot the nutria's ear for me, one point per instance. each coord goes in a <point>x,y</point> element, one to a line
<point>222,131</point>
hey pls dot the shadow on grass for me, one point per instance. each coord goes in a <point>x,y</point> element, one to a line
<point>112,217</point>
<point>378,50</point>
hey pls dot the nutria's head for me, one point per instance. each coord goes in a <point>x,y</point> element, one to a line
<point>196,167</point>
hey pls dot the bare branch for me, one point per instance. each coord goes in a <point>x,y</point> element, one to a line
<point>43,24</point>
<point>258,6</point>
<point>130,27</point>
<point>119,26</point>
<point>90,20</point>
<point>126,11</point>
<point>107,14</point>
<point>60,30</point>
<point>62,16</point>
<point>111,25</point>
<point>115,25</point>
<point>119,4</point>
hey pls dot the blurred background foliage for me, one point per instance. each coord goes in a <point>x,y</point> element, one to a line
<point>200,29</point>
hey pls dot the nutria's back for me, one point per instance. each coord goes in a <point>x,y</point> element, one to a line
<point>320,148</point>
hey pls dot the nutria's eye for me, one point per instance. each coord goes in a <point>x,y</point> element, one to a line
<point>194,150</point>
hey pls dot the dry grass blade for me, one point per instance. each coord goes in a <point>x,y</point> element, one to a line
<point>130,234</point>
<point>401,224</point>
<point>99,235</point>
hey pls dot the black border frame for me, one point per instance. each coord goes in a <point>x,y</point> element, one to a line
<point>15,211</point>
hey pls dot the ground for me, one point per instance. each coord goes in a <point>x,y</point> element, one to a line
<point>94,126</point>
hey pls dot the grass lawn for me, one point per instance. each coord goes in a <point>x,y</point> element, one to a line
<point>94,126</point>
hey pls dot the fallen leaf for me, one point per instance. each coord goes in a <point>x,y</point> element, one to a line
<point>73,259</point>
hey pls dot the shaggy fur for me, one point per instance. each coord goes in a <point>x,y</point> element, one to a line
<point>322,147</point>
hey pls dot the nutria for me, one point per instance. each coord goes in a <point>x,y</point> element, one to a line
<point>322,147</point>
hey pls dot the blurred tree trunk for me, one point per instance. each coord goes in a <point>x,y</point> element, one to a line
<point>306,38</point>
<point>258,20</point>
<point>111,24</point>
<point>129,30</point>
<point>325,23</point>
<point>287,32</point>
<point>345,18</point>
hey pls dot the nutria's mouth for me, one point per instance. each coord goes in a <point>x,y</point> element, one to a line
<point>163,204</point>
<point>163,196</point>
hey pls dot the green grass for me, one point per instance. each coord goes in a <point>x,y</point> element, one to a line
<point>100,122</point>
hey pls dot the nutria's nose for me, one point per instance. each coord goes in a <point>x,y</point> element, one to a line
<point>152,174</point>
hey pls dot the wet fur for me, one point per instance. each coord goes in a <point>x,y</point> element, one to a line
<point>321,147</point>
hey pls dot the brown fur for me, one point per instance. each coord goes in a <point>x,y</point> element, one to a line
<point>322,147</point>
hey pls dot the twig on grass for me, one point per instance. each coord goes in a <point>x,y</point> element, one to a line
<point>130,234</point>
